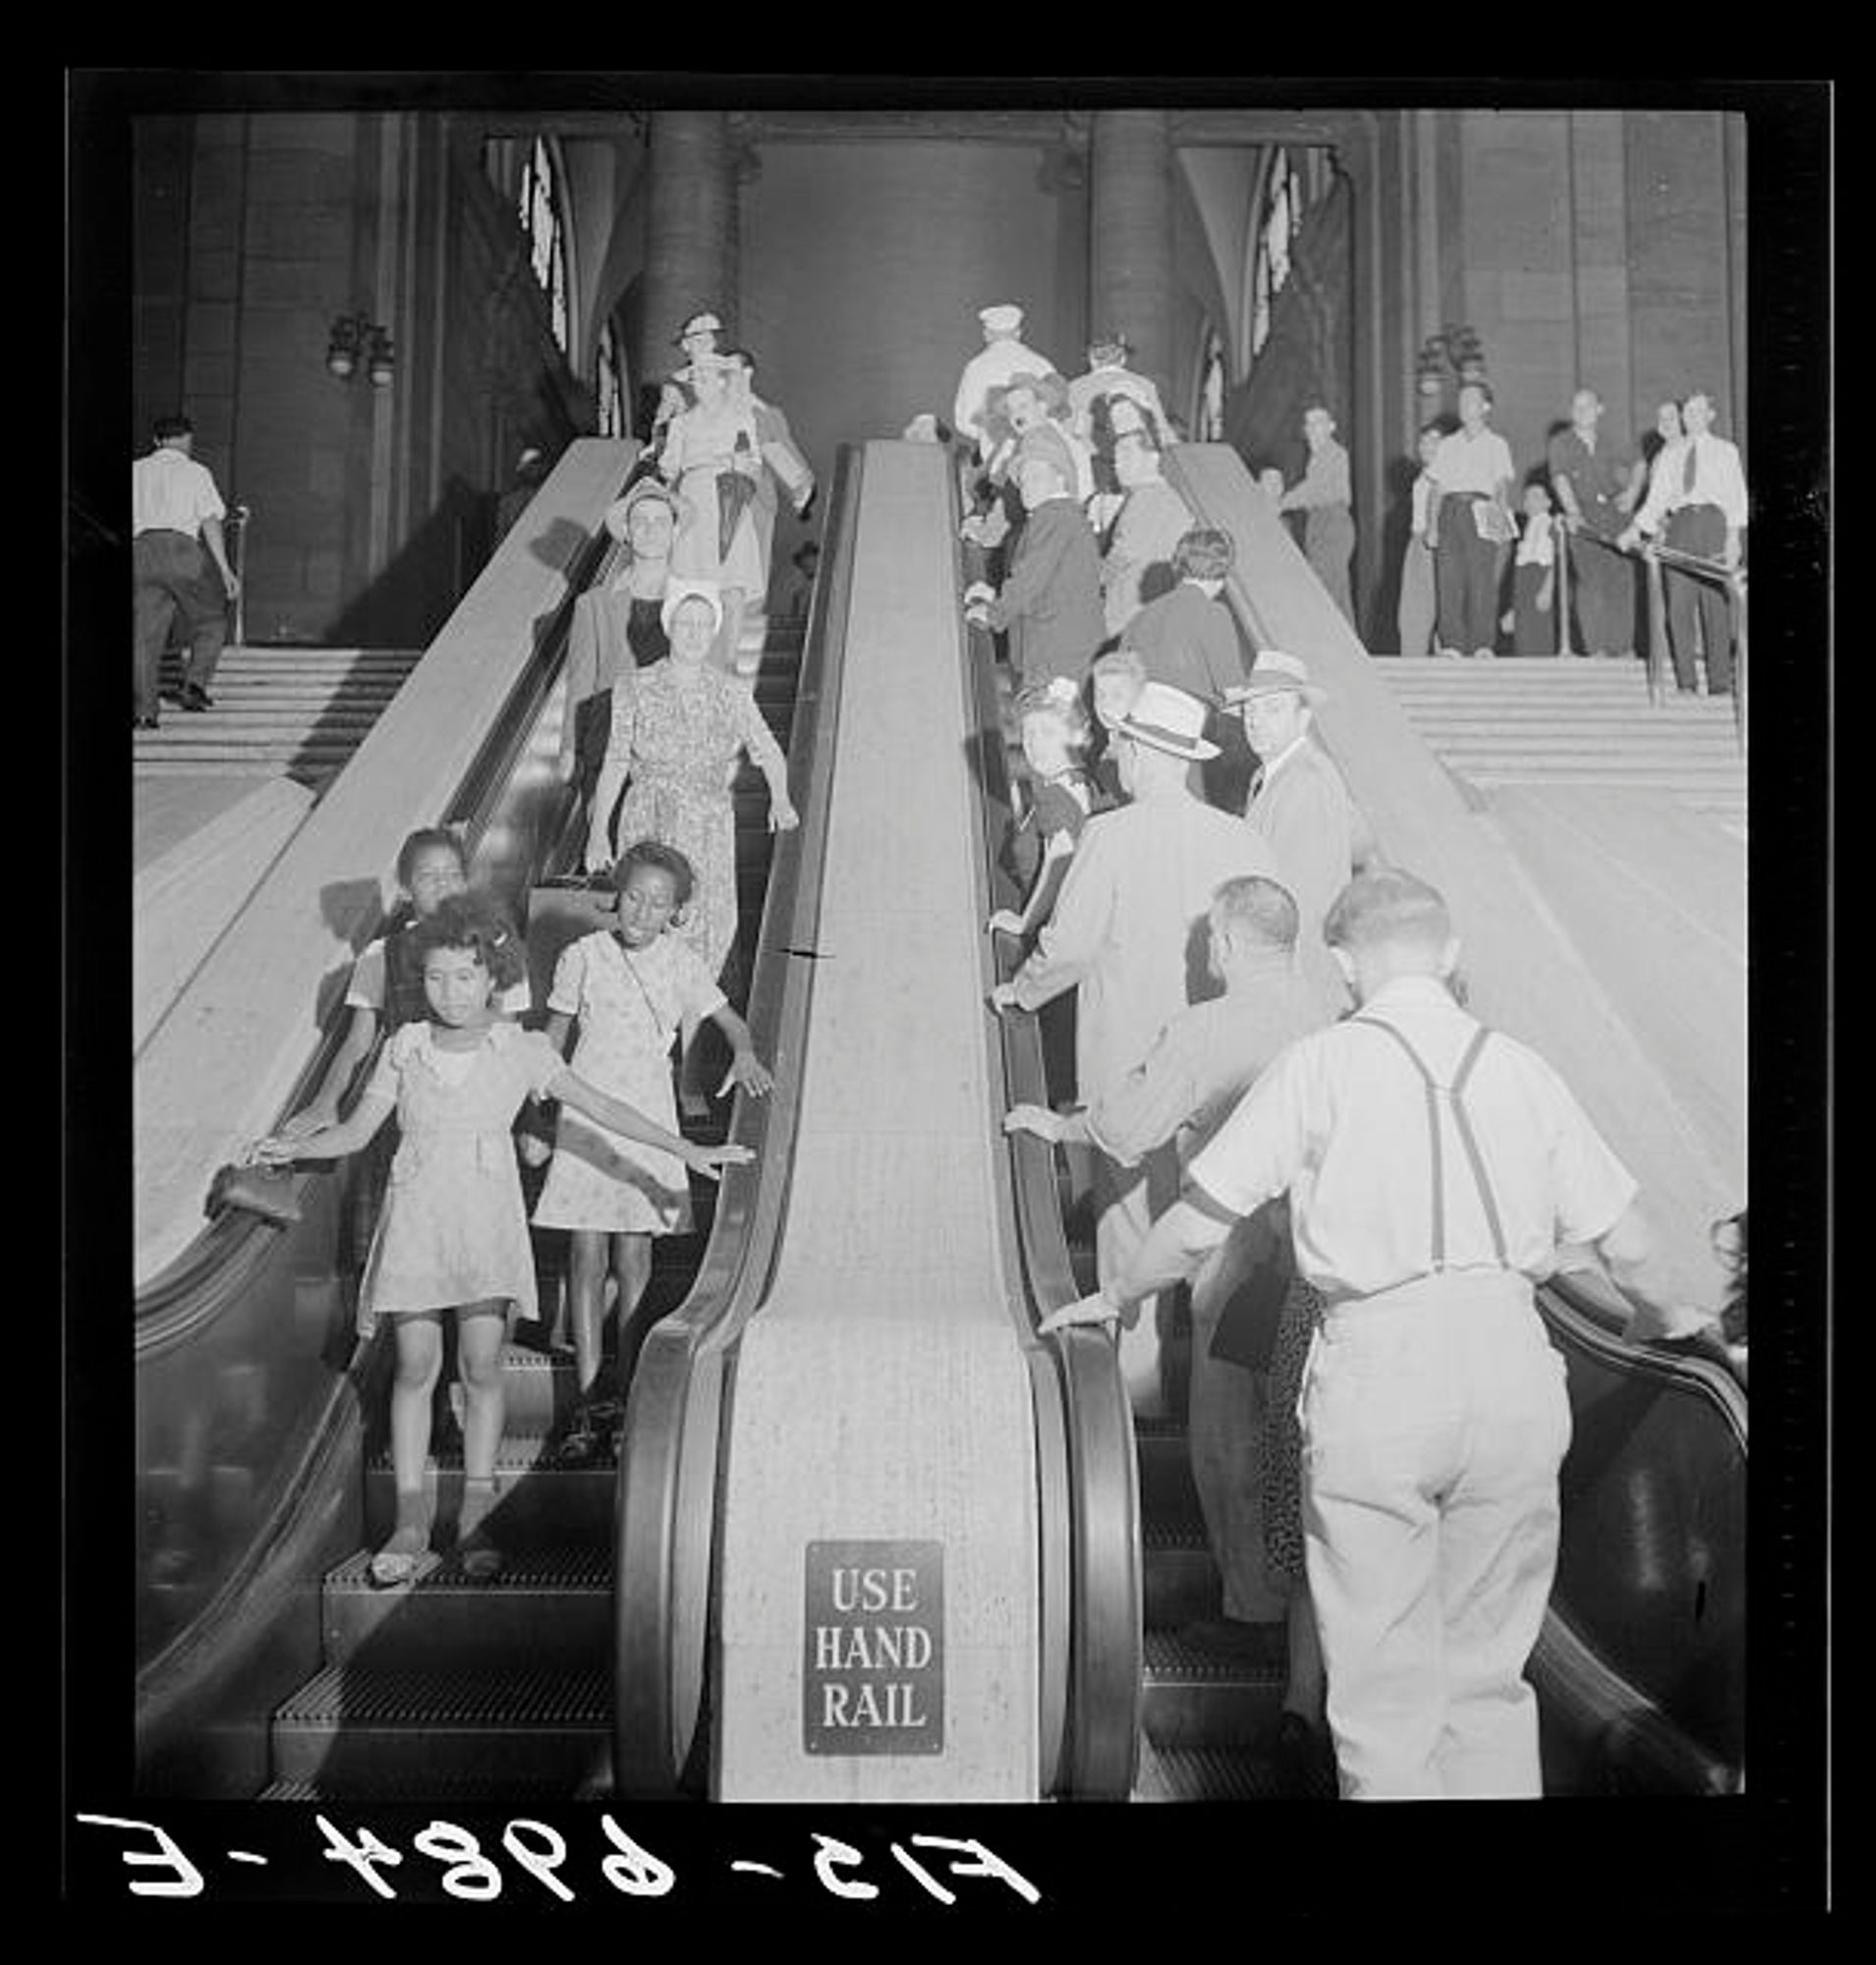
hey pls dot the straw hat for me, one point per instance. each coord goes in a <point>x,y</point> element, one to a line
<point>1273,671</point>
<point>679,590</point>
<point>1167,720</point>
<point>618,514</point>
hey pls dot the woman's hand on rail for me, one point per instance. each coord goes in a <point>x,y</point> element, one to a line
<point>783,817</point>
<point>1037,1119</point>
<point>1006,921</point>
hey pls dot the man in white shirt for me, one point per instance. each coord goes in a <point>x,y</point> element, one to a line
<point>1470,526</point>
<point>1697,489</point>
<point>178,560</point>
<point>1001,358</point>
<point>1433,1169</point>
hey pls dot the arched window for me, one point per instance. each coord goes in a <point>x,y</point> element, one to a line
<point>1282,208</point>
<point>609,382</point>
<point>539,208</point>
<point>1208,423</point>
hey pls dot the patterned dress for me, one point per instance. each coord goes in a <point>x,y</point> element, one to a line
<point>630,1003</point>
<point>1283,1433</point>
<point>680,735</point>
<point>454,1229</point>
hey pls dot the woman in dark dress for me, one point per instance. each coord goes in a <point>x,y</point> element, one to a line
<point>616,629</point>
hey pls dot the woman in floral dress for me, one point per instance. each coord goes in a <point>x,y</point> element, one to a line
<point>675,741</point>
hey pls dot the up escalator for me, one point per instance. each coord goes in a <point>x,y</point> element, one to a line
<point>268,1663</point>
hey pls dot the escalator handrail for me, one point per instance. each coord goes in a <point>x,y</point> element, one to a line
<point>1101,1747</point>
<point>667,1490</point>
<point>219,1264</point>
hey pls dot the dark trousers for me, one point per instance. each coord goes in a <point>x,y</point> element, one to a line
<point>1699,529</point>
<point>1467,571</point>
<point>1534,627</point>
<point>173,573</point>
<point>1602,597</point>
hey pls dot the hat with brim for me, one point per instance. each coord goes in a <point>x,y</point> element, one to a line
<point>1271,674</point>
<point>618,514</point>
<point>1001,318</point>
<point>680,590</point>
<point>699,324</point>
<point>1167,720</point>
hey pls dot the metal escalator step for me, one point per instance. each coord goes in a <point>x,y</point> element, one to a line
<point>1203,1774</point>
<point>540,1503</point>
<point>355,1728</point>
<point>489,1786</point>
<point>1193,1698</point>
<point>548,1607</point>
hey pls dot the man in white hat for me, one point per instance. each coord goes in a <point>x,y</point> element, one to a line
<point>1299,804</point>
<point>1002,357</point>
<point>1128,933</point>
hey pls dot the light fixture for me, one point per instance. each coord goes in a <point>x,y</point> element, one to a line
<point>356,338</point>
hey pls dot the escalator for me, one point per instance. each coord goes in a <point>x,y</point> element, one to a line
<point>267,1663</point>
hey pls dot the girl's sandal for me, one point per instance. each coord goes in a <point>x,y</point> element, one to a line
<point>479,1557</point>
<point>396,1564</point>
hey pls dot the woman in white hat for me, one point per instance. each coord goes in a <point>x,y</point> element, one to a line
<point>674,742</point>
<point>712,454</point>
<point>1300,805</point>
<point>618,627</point>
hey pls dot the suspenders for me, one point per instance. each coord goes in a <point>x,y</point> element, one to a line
<point>1454,1094</point>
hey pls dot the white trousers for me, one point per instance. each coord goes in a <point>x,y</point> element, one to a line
<point>1126,1201</point>
<point>1435,1420</point>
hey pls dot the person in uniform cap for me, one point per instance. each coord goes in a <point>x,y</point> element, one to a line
<point>1300,802</point>
<point>1002,356</point>
<point>1049,602</point>
<point>1433,1168</point>
<point>1127,935</point>
<point>698,336</point>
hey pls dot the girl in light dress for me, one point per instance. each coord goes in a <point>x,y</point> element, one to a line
<point>1061,796</point>
<point>454,1232</point>
<point>631,989</point>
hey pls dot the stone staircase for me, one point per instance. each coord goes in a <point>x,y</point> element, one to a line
<point>1575,722</point>
<point>280,711</point>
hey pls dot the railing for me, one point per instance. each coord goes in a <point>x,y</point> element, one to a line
<point>1654,556</point>
<point>1101,1733</point>
<point>668,1470</point>
<point>234,532</point>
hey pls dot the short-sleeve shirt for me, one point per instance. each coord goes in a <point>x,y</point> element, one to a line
<point>367,989</point>
<point>1479,463</point>
<point>172,493</point>
<point>1340,1120</point>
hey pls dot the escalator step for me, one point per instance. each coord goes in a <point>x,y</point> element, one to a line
<point>1203,1774</point>
<point>353,1727</point>
<point>548,1607</point>
<point>1193,1698</point>
<point>541,1504</point>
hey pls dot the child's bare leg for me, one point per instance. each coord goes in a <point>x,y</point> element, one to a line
<point>480,1329</point>
<point>632,1265</point>
<point>418,1338</point>
<point>586,1301</point>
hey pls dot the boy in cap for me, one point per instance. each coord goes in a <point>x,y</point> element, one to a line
<point>1051,600</point>
<point>1001,358</point>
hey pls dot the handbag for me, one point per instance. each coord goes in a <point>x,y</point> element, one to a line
<point>1265,1265</point>
<point>268,1192</point>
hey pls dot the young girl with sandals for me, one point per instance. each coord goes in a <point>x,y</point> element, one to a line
<point>454,1234</point>
<point>631,987</point>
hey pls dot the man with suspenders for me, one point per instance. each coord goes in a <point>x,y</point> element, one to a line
<point>1433,1168</point>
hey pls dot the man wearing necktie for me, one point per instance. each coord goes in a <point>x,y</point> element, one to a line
<point>1697,489</point>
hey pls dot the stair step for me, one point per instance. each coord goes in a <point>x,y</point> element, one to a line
<point>1207,1773</point>
<point>1192,1699</point>
<point>552,1607</point>
<point>357,1729</point>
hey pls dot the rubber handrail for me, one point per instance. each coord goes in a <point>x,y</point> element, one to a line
<point>223,1261</point>
<point>1105,1686</point>
<point>665,1523</point>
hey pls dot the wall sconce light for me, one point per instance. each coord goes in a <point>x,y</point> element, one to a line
<point>356,339</point>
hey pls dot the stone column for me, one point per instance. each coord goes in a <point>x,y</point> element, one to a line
<point>690,236</point>
<point>1131,262</point>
